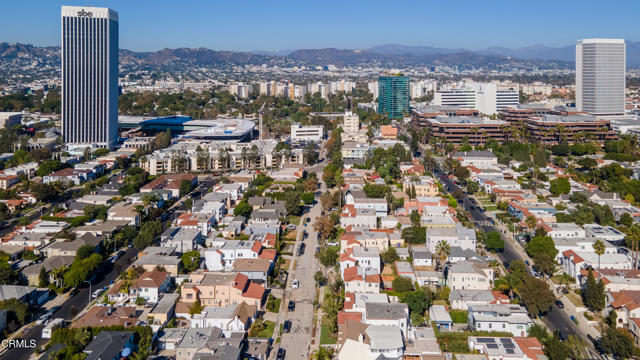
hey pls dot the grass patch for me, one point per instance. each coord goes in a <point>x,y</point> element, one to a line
<point>325,336</point>
<point>459,316</point>
<point>491,208</point>
<point>292,219</point>
<point>562,279</point>
<point>575,299</point>
<point>273,304</point>
<point>267,332</point>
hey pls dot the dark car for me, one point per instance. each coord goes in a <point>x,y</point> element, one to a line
<point>301,249</point>
<point>559,304</point>
<point>73,292</point>
<point>281,354</point>
<point>292,306</point>
<point>287,326</point>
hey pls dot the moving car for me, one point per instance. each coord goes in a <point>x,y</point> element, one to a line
<point>291,306</point>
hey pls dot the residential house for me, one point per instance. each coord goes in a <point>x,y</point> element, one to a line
<point>221,289</point>
<point>184,240</point>
<point>256,270</point>
<point>109,345</point>
<point>356,279</point>
<point>32,272</point>
<point>164,310</point>
<point>391,314</point>
<point>350,216</point>
<point>150,285</point>
<point>510,318</point>
<point>422,256</point>
<point>480,159</point>
<point>170,263</point>
<point>574,261</point>
<point>500,348</point>
<point>69,176</point>
<point>457,236</point>
<point>101,316</point>
<point>462,299</point>
<point>470,276</point>
<point>69,248</point>
<point>231,318</point>
<point>440,316</point>
<point>125,212</point>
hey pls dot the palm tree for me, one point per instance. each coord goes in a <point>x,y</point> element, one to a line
<point>58,275</point>
<point>442,252</point>
<point>598,247</point>
<point>531,222</point>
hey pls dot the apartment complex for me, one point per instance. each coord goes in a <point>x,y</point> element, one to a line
<point>487,98</point>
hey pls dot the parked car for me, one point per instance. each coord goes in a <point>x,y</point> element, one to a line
<point>286,327</point>
<point>559,304</point>
<point>291,306</point>
<point>301,249</point>
<point>295,283</point>
<point>281,354</point>
<point>43,319</point>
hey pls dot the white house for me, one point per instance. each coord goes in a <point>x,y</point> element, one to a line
<point>234,318</point>
<point>459,236</point>
<point>367,257</point>
<point>356,279</point>
<point>510,318</point>
<point>223,257</point>
<point>150,284</point>
<point>391,314</point>
<point>470,276</point>
<point>379,205</point>
<point>572,262</point>
<point>422,256</point>
<point>566,230</point>
<point>475,158</point>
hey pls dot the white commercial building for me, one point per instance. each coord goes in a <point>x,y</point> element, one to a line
<point>485,97</point>
<point>600,76</point>
<point>307,132</point>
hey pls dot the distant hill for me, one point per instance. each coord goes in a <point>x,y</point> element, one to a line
<point>534,52</point>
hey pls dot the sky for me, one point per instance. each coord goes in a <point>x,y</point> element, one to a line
<point>245,25</point>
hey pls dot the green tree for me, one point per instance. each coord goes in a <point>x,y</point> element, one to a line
<point>319,278</point>
<point>185,187</point>
<point>196,308</point>
<point>588,163</point>
<point>307,198</point>
<point>536,295</point>
<point>545,263</point>
<point>593,295</point>
<point>402,284</point>
<point>494,241</point>
<point>540,157</point>
<point>190,261</point>
<point>599,248</point>
<point>542,245</point>
<point>328,256</point>
<point>560,186</point>
<point>19,309</point>
<point>415,218</point>
<point>84,251</point>
<point>43,278</point>
<point>390,255</point>
<point>243,209</point>
<point>616,342</point>
<point>292,202</point>
<point>472,187</point>
<point>442,252</point>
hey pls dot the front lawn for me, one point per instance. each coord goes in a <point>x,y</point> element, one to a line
<point>267,332</point>
<point>325,336</point>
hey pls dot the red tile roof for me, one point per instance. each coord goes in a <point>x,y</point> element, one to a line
<point>343,316</point>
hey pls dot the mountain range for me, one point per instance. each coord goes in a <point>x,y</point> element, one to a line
<point>384,55</point>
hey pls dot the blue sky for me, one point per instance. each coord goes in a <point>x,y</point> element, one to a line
<point>280,24</point>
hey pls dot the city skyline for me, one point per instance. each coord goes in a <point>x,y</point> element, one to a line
<point>479,26</point>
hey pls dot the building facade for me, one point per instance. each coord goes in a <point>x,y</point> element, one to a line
<point>600,76</point>
<point>89,77</point>
<point>393,96</point>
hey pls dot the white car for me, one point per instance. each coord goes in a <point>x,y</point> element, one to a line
<point>295,284</point>
<point>43,319</point>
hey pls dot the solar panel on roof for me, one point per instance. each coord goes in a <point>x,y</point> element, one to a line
<point>510,351</point>
<point>508,346</point>
<point>506,341</point>
<point>486,340</point>
<point>492,346</point>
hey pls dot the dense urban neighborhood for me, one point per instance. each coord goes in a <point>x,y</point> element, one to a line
<point>294,210</point>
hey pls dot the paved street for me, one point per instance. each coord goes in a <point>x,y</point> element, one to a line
<point>297,343</point>
<point>79,302</point>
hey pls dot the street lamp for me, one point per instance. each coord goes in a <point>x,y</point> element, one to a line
<point>89,282</point>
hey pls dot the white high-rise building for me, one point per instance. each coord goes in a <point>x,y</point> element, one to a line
<point>350,123</point>
<point>89,77</point>
<point>600,76</point>
<point>373,89</point>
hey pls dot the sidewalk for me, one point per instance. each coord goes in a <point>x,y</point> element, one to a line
<point>316,341</point>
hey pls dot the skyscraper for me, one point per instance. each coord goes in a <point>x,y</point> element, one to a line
<point>89,77</point>
<point>600,76</point>
<point>393,96</point>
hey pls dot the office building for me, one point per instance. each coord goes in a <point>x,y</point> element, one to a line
<point>393,96</point>
<point>600,76</point>
<point>487,98</point>
<point>306,133</point>
<point>89,77</point>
